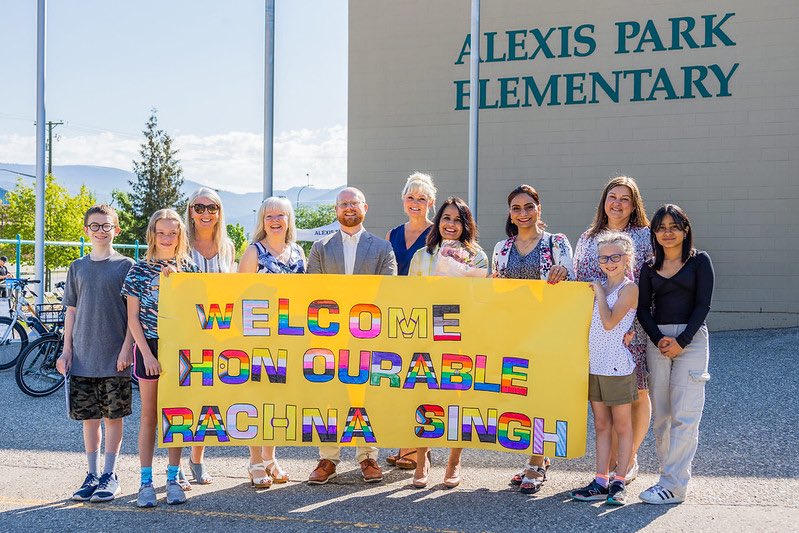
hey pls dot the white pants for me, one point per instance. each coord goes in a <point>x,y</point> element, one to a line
<point>677,390</point>
<point>333,453</point>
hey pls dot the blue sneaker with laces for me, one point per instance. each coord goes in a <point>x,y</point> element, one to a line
<point>84,493</point>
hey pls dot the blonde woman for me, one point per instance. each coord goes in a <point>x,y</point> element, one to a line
<point>418,200</point>
<point>212,251</point>
<point>273,251</point>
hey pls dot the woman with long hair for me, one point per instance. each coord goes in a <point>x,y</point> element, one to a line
<point>451,250</point>
<point>212,251</point>
<point>675,292</point>
<point>530,252</point>
<point>621,208</point>
<point>274,250</point>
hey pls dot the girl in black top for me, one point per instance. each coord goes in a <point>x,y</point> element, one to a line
<point>675,290</point>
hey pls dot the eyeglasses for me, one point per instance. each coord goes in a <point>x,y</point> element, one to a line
<point>200,208</point>
<point>94,226</point>
<point>615,258</point>
<point>345,205</point>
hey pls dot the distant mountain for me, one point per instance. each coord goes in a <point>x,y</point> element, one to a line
<point>239,208</point>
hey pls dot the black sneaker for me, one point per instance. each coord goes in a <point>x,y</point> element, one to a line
<point>592,492</point>
<point>617,495</point>
<point>84,493</point>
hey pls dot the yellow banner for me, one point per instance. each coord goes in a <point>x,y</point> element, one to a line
<point>252,359</point>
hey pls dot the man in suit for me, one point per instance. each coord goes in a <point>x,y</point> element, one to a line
<point>352,250</point>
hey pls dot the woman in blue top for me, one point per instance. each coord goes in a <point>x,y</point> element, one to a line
<point>418,201</point>
<point>273,251</point>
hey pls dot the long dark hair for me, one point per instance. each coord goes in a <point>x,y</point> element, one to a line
<point>637,217</point>
<point>510,228</point>
<point>469,234</point>
<point>681,220</point>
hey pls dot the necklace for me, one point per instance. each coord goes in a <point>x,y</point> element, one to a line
<point>524,247</point>
<point>281,255</point>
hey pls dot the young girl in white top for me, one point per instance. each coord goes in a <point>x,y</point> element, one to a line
<point>612,386</point>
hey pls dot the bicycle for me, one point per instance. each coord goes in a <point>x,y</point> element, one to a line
<point>13,335</point>
<point>36,372</point>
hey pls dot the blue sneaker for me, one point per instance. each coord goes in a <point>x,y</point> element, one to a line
<point>591,493</point>
<point>107,489</point>
<point>84,493</point>
<point>146,496</point>
<point>174,493</point>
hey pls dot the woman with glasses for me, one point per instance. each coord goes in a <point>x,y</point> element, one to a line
<point>674,297</point>
<point>529,252</point>
<point>621,208</point>
<point>418,199</point>
<point>274,250</point>
<point>212,251</point>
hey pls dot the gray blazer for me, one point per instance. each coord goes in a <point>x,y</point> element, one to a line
<point>373,256</point>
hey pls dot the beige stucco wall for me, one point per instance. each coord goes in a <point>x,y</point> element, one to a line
<point>731,162</point>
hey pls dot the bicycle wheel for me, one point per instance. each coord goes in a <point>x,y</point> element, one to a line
<point>13,340</point>
<point>36,373</point>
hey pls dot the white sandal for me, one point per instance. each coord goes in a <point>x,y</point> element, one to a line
<point>278,474</point>
<point>259,482</point>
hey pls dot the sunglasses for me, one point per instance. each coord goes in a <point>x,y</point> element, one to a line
<point>615,258</point>
<point>200,208</point>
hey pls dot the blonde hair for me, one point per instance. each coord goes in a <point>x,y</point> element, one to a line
<point>182,248</point>
<point>275,203</point>
<point>420,182</point>
<point>224,246</point>
<point>638,217</point>
<point>623,241</point>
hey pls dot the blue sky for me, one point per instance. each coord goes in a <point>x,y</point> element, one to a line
<point>200,62</point>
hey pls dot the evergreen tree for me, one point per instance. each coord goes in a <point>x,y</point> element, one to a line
<point>159,177</point>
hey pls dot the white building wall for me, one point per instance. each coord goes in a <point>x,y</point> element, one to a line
<point>731,162</point>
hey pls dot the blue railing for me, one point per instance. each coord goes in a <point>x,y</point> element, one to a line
<point>81,244</point>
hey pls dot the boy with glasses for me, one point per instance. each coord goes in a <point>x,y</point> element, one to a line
<point>98,351</point>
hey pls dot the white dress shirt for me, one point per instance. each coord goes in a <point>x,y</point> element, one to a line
<point>350,243</point>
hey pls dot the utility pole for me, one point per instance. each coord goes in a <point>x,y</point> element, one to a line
<point>50,126</point>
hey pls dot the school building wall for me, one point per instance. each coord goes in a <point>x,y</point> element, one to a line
<point>699,101</point>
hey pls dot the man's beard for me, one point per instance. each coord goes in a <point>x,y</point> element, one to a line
<point>353,221</point>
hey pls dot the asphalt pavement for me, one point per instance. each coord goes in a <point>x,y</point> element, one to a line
<point>746,473</point>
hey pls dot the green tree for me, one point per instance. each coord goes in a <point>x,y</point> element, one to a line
<point>128,225</point>
<point>159,176</point>
<point>63,220</point>
<point>239,238</point>
<point>314,217</point>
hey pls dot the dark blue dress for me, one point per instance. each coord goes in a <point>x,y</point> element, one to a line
<point>404,255</point>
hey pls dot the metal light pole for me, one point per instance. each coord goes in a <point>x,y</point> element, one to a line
<point>40,146</point>
<point>474,104</point>
<point>269,96</point>
<point>299,192</point>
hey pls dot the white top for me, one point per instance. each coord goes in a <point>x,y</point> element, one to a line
<point>211,265</point>
<point>608,356</point>
<point>350,244</point>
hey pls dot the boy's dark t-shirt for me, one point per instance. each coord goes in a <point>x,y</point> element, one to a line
<point>143,282</point>
<point>93,288</point>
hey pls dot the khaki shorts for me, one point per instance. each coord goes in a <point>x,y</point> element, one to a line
<point>612,390</point>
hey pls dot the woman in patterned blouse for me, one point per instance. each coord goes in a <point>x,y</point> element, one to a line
<point>621,208</point>
<point>274,250</point>
<point>529,252</point>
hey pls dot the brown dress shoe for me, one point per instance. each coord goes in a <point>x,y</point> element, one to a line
<point>324,472</point>
<point>371,471</point>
